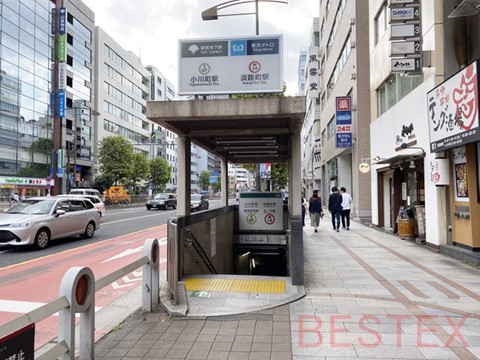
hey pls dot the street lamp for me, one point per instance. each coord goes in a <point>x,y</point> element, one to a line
<point>212,13</point>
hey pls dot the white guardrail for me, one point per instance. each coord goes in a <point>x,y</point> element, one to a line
<point>77,296</point>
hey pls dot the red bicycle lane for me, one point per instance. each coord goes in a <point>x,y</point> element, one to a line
<point>28,285</point>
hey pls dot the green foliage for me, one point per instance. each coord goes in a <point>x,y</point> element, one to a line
<point>42,145</point>
<point>141,167</point>
<point>280,175</point>
<point>160,172</point>
<point>250,167</point>
<point>204,179</point>
<point>116,158</point>
<point>35,170</point>
<point>102,183</point>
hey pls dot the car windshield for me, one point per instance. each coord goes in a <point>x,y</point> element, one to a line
<point>196,197</point>
<point>38,207</point>
<point>161,197</point>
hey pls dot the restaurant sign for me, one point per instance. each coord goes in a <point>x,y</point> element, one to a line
<point>453,110</point>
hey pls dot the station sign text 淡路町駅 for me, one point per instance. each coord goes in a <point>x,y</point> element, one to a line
<point>231,66</point>
<point>452,106</point>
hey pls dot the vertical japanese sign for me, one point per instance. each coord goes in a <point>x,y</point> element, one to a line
<point>453,110</point>
<point>313,73</point>
<point>343,117</point>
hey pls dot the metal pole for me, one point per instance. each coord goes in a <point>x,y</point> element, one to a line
<point>257,29</point>
<point>75,148</point>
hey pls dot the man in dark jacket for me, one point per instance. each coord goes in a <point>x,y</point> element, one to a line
<point>335,207</point>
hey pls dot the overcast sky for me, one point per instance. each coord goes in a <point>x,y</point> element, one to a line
<point>151,28</point>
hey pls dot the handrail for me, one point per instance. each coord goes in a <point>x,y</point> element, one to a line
<point>68,305</point>
<point>198,248</point>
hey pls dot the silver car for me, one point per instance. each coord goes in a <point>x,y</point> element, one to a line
<point>37,220</point>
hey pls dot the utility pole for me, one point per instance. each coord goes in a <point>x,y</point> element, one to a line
<point>59,26</point>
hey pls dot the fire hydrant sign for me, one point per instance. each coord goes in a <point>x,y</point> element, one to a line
<point>260,211</point>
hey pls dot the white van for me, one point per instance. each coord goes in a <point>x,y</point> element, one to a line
<point>85,192</point>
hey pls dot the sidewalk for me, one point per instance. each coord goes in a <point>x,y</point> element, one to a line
<point>369,295</point>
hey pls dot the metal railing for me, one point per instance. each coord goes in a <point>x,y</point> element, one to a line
<point>77,296</point>
<point>172,259</point>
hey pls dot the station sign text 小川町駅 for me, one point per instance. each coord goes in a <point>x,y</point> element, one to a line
<point>453,110</point>
<point>231,66</point>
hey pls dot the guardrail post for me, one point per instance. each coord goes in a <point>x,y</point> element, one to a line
<point>78,286</point>
<point>172,259</point>
<point>151,275</point>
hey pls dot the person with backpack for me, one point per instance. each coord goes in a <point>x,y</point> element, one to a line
<point>315,209</point>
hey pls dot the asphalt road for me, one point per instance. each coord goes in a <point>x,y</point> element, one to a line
<point>117,222</point>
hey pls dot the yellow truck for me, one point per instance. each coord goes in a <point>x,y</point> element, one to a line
<point>116,195</point>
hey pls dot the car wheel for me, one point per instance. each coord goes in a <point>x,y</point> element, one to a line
<point>149,207</point>
<point>42,238</point>
<point>89,230</point>
<point>206,206</point>
<point>174,206</point>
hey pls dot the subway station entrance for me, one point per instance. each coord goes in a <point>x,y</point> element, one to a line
<point>240,131</point>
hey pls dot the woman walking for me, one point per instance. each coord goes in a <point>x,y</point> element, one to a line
<point>315,210</point>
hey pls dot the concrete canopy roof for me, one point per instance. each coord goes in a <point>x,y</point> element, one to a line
<point>237,130</point>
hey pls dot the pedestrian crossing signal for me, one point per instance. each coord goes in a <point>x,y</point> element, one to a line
<point>153,136</point>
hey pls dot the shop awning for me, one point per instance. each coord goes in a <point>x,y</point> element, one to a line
<point>399,159</point>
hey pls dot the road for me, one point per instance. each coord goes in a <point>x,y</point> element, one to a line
<point>30,278</point>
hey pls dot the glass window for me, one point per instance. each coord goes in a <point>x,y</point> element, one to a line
<point>381,22</point>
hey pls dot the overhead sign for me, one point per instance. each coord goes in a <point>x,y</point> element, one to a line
<point>405,65</point>
<point>343,118</point>
<point>313,72</point>
<point>453,116</point>
<point>405,47</point>
<point>401,31</point>
<point>62,76</point>
<point>405,13</point>
<point>62,20</point>
<point>61,103</point>
<point>231,66</point>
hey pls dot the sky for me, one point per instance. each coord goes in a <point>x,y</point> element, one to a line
<point>151,28</point>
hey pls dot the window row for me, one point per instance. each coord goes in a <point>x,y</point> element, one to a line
<point>117,59</point>
<point>123,131</point>
<point>114,74</point>
<point>125,115</point>
<point>124,98</point>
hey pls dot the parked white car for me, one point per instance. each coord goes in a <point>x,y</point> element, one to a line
<point>37,220</point>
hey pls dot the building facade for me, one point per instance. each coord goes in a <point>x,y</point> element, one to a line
<point>333,153</point>
<point>425,124</point>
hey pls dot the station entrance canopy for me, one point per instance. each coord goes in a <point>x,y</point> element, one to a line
<point>254,130</point>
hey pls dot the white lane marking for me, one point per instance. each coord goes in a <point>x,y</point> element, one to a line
<point>23,307</point>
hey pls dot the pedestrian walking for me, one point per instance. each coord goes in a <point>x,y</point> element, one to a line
<point>315,210</point>
<point>335,207</point>
<point>304,207</point>
<point>346,206</point>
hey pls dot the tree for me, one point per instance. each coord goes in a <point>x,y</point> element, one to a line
<point>280,174</point>
<point>160,173</point>
<point>204,179</point>
<point>141,169</point>
<point>102,183</point>
<point>116,158</point>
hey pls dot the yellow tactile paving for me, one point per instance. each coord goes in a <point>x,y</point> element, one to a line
<point>235,285</point>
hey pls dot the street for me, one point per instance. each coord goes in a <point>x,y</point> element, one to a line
<point>29,278</point>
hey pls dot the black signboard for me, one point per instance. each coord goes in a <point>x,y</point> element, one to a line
<point>18,345</point>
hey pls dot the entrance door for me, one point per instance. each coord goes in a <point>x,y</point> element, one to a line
<point>388,192</point>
